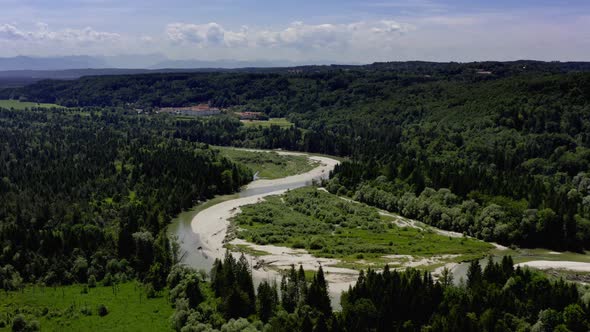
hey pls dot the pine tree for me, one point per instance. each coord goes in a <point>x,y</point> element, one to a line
<point>474,275</point>
<point>317,296</point>
<point>266,301</point>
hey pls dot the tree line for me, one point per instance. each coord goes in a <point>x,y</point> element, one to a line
<point>496,297</point>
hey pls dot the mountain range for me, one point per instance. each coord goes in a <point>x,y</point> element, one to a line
<point>134,61</point>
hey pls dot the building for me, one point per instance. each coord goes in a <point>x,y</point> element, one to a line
<point>199,110</point>
<point>250,115</point>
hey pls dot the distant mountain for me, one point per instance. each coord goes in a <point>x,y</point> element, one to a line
<point>50,63</point>
<point>138,61</point>
<point>231,64</point>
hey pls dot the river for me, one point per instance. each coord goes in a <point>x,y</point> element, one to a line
<point>201,232</point>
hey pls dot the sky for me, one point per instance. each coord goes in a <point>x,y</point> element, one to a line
<point>340,31</point>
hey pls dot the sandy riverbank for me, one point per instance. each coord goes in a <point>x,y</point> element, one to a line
<point>211,226</point>
<point>557,265</point>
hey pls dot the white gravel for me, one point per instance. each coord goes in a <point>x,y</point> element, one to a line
<point>559,265</point>
<point>211,226</point>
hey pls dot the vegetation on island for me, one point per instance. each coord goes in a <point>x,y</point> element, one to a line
<point>329,226</point>
<point>269,164</point>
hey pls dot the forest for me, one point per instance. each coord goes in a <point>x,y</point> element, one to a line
<point>495,298</point>
<point>89,195</point>
<point>503,156</point>
<point>87,191</point>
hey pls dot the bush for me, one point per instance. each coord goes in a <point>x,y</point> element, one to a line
<point>102,310</point>
<point>150,291</point>
<point>108,280</point>
<point>19,323</point>
<point>86,311</point>
<point>92,281</point>
<point>298,245</point>
<point>317,243</point>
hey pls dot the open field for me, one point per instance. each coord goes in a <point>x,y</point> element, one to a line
<point>329,227</point>
<point>23,105</point>
<point>67,308</point>
<point>269,164</point>
<point>281,122</point>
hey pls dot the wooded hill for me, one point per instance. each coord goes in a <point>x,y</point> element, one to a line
<point>496,150</point>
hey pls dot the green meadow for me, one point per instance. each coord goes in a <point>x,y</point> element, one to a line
<point>69,308</point>
<point>20,105</point>
<point>280,122</point>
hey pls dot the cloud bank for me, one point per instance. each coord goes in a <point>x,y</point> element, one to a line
<point>43,33</point>
<point>297,35</point>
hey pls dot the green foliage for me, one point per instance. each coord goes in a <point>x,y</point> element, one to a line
<point>79,192</point>
<point>329,226</point>
<point>499,299</point>
<point>269,165</point>
<point>102,310</point>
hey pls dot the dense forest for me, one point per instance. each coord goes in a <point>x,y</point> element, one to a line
<point>499,151</point>
<point>495,298</point>
<point>89,195</point>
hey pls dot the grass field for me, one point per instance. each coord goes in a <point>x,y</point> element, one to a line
<point>328,226</point>
<point>23,105</point>
<point>281,122</point>
<point>66,308</point>
<point>269,165</point>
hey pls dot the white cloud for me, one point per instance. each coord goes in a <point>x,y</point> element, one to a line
<point>297,35</point>
<point>200,34</point>
<point>10,32</point>
<point>146,39</point>
<point>43,33</point>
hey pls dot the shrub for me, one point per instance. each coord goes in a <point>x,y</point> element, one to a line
<point>150,291</point>
<point>91,281</point>
<point>317,243</point>
<point>86,311</point>
<point>19,323</point>
<point>298,244</point>
<point>102,310</point>
<point>108,280</point>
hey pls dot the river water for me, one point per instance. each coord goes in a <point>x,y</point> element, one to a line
<point>190,242</point>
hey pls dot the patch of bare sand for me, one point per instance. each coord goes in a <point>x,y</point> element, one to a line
<point>558,265</point>
<point>211,226</point>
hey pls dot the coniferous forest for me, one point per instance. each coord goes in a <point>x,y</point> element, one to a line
<point>87,191</point>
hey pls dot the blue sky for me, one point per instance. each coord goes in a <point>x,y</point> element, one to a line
<point>304,30</point>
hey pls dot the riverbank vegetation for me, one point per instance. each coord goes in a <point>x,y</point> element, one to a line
<point>329,226</point>
<point>269,164</point>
